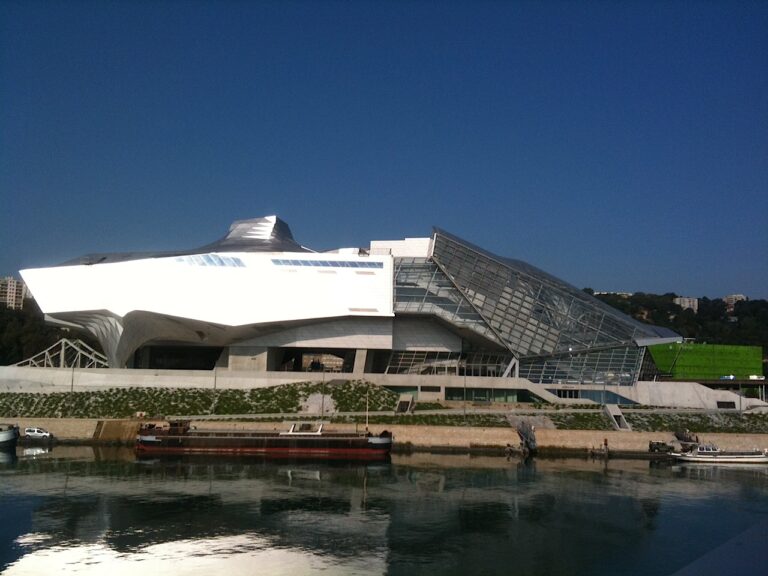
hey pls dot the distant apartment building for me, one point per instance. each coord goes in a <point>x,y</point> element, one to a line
<point>620,294</point>
<point>687,303</point>
<point>731,299</point>
<point>12,293</point>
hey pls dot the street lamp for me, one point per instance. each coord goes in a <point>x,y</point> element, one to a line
<point>603,391</point>
<point>322,397</point>
<point>465,392</point>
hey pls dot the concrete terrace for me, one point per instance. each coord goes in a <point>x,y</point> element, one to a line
<point>47,380</point>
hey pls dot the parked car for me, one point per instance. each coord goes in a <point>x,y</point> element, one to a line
<point>659,447</point>
<point>37,434</point>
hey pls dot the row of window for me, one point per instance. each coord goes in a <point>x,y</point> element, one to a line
<point>487,395</point>
<point>211,260</point>
<point>233,262</point>
<point>328,263</point>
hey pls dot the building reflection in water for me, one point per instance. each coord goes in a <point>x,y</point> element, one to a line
<point>447,514</point>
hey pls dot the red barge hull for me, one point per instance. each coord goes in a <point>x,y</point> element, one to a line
<point>335,454</point>
<point>182,440</point>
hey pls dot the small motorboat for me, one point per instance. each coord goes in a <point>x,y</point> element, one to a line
<point>711,454</point>
<point>9,436</point>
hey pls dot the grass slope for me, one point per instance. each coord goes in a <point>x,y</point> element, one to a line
<point>125,402</point>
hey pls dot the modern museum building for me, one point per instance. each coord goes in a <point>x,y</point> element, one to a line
<point>422,314</point>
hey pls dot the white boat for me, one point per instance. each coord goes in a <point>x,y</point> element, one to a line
<point>9,435</point>
<point>711,454</point>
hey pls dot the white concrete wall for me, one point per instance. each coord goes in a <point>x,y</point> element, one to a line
<point>408,248</point>
<point>22,379</point>
<point>17,379</point>
<point>423,335</point>
<point>688,395</point>
<point>355,333</point>
<point>261,289</point>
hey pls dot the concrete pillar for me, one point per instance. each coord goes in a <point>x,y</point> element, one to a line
<point>273,358</point>
<point>223,359</point>
<point>248,358</point>
<point>360,362</point>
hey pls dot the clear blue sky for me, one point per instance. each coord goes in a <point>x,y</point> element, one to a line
<point>617,145</point>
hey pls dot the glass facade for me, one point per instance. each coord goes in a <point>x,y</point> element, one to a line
<point>489,395</point>
<point>531,311</point>
<point>447,363</point>
<point>421,288</point>
<point>615,367</point>
<point>558,333</point>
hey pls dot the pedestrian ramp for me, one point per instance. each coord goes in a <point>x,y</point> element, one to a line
<point>120,431</point>
<point>405,404</point>
<point>617,418</point>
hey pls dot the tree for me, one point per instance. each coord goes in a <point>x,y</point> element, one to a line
<point>24,333</point>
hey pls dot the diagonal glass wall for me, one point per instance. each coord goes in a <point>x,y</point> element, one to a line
<point>558,333</point>
<point>534,313</point>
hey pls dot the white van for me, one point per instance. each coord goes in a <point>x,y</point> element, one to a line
<point>37,433</point>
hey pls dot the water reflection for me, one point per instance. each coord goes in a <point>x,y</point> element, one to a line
<point>421,513</point>
<point>32,451</point>
<point>7,457</point>
<point>232,555</point>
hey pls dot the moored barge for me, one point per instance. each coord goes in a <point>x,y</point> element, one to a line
<point>301,440</point>
<point>9,436</point>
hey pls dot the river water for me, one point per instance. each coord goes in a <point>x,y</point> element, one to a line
<point>78,510</point>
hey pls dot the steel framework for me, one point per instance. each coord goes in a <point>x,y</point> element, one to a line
<point>67,354</point>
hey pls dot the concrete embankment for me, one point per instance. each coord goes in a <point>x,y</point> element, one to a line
<point>574,441</point>
<point>82,430</point>
<point>417,438</point>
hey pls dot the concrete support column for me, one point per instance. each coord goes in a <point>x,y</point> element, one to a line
<point>513,369</point>
<point>223,359</point>
<point>248,358</point>
<point>360,362</point>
